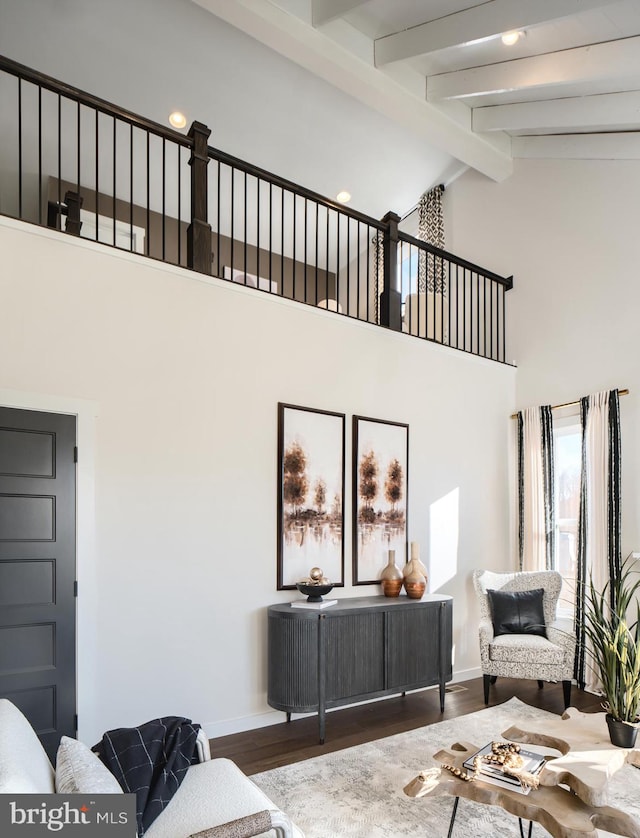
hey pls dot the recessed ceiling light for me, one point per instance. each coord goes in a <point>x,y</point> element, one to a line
<point>344,197</point>
<point>177,119</point>
<point>511,38</point>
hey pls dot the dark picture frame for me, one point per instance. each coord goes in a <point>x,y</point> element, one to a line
<point>311,481</point>
<point>380,496</point>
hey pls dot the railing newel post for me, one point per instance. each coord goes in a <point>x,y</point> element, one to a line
<point>199,253</point>
<point>390,298</point>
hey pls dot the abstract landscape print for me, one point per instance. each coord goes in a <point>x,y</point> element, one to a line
<point>380,486</point>
<point>310,494</point>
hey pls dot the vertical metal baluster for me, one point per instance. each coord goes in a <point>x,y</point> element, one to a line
<point>282,239</point>
<point>504,325</point>
<point>218,265</point>
<point>114,181</point>
<point>78,149</point>
<point>368,289</point>
<point>326,278</point>
<point>97,171</point>
<point>477,314</point>
<point>164,215</point>
<point>244,247</point>
<point>338,215</point>
<point>484,311</point>
<point>491,285</point>
<point>39,154</point>
<point>233,181</point>
<point>271,233</point>
<point>464,308</point>
<point>306,233</point>
<point>439,336</point>
<point>258,231</point>
<point>148,237</point>
<point>293,196</point>
<point>317,232</point>
<point>19,148</point>
<point>59,214</point>
<point>358,270</point>
<point>457,307</point>
<point>433,302</point>
<point>131,186</point>
<point>179,150</point>
<point>348,263</point>
<point>448,303</point>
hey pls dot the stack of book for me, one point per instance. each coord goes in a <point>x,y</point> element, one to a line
<point>492,772</point>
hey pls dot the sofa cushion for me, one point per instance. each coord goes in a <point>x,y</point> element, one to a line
<point>24,764</point>
<point>80,771</point>
<point>211,793</point>
<point>525,649</point>
<point>517,612</point>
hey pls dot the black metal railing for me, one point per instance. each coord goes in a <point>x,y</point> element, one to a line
<point>84,166</point>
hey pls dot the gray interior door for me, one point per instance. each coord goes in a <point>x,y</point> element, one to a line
<point>38,569</point>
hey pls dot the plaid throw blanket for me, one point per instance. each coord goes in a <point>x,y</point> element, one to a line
<point>150,761</point>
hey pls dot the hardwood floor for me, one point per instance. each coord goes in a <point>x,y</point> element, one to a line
<point>281,744</point>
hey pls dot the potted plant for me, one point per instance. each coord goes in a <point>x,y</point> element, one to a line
<point>613,645</point>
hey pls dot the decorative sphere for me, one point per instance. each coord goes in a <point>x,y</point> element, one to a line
<point>315,573</point>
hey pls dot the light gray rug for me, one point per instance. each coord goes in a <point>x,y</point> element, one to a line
<point>357,792</point>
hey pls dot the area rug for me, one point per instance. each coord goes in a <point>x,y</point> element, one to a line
<point>357,792</point>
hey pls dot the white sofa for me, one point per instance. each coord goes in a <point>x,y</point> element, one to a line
<point>215,800</point>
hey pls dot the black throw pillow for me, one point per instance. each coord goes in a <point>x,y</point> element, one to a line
<point>517,612</point>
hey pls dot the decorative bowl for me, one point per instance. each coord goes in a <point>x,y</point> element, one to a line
<point>314,593</point>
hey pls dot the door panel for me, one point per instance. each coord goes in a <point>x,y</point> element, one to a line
<point>38,569</point>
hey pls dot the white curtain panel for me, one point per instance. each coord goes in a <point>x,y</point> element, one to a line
<point>596,478</point>
<point>532,512</point>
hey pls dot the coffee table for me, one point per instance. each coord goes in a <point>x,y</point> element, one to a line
<point>571,801</point>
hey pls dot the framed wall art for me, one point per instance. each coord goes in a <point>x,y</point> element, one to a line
<point>310,494</point>
<point>380,489</point>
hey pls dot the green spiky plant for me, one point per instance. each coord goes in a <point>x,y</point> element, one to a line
<point>614,641</point>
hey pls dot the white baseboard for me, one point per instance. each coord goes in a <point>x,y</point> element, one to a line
<point>274,717</point>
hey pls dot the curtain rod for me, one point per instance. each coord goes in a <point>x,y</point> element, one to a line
<point>624,392</point>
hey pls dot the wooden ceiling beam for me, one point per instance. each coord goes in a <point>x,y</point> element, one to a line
<point>612,146</point>
<point>603,111</point>
<point>477,23</point>
<point>322,11</point>
<point>610,61</point>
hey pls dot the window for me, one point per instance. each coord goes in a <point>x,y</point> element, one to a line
<point>567,438</point>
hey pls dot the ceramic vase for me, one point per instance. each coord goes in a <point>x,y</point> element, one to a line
<point>414,555</point>
<point>415,583</point>
<point>391,577</point>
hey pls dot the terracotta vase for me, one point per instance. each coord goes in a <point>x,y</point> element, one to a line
<point>391,577</point>
<point>415,583</point>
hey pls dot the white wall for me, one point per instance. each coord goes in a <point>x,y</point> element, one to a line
<point>183,375</point>
<point>568,231</point>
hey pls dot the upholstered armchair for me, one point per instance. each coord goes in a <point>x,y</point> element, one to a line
<point>511,655</point>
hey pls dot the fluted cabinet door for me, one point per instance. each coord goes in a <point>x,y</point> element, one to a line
<point>293,664</point>
<point>354,655</point>
<point>415,641</point>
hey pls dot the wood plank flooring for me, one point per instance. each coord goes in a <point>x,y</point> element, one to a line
<point>281,744</point>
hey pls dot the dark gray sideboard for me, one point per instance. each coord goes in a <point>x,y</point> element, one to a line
<point>360,648</point>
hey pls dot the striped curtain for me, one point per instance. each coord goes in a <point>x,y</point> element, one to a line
<point>599,551</point>
<point>536,514</point>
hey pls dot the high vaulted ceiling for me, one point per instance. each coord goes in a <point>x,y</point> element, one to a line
<point>569,87</point>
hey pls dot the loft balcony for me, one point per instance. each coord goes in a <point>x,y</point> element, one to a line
<point>88,168</point>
